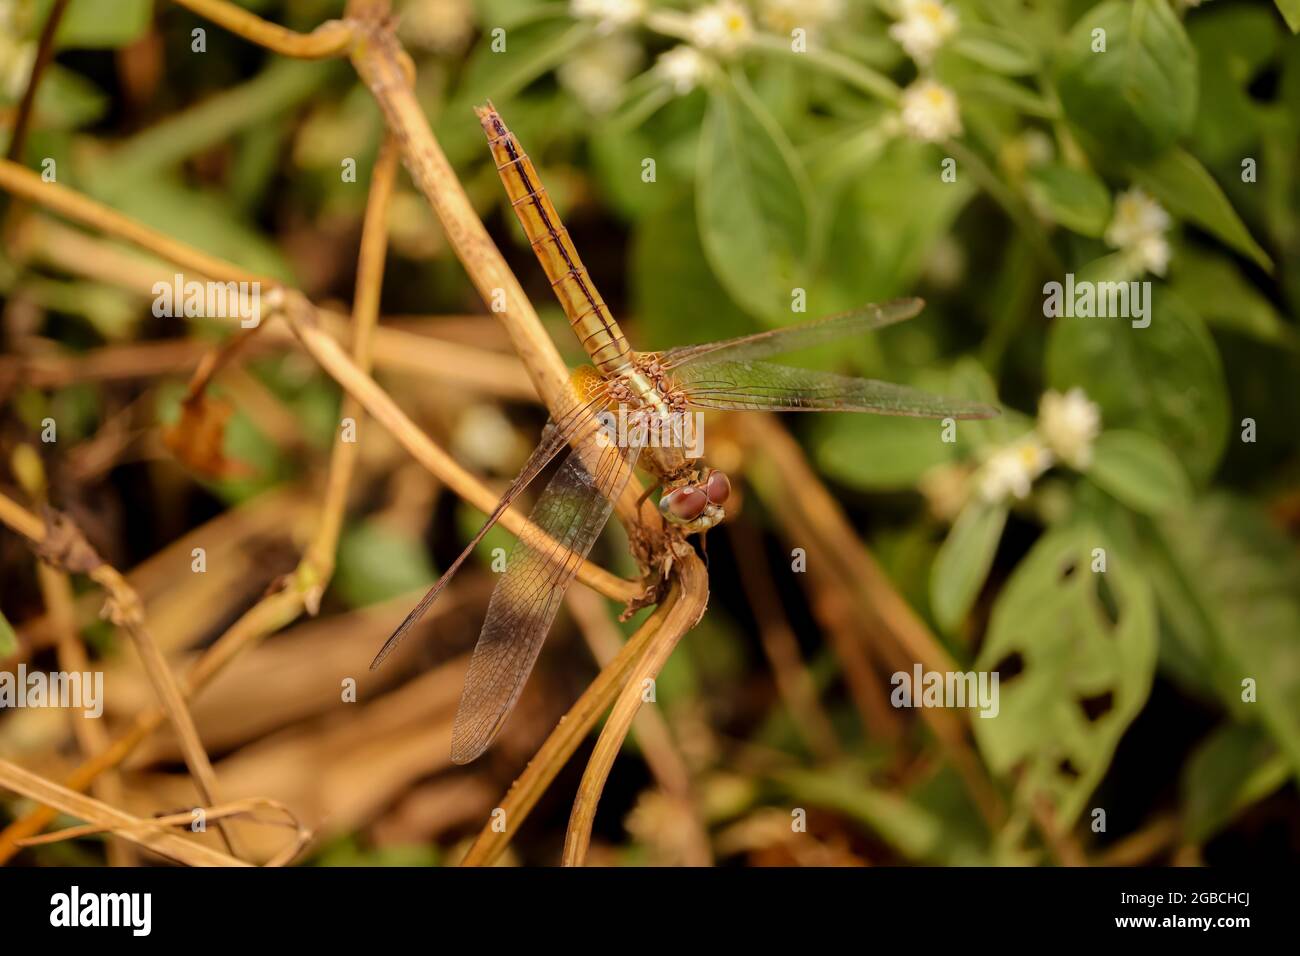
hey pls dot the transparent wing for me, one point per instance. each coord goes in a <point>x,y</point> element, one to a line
<point>802,336</point>
<point>554,438</point>
<point>763,386</point>
<point>569,514</point>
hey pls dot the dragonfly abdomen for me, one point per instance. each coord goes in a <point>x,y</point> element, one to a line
<point>588,315</point>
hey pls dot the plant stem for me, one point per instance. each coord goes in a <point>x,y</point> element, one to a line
<point>332,38</point>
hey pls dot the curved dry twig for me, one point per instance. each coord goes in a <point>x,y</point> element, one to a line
<point>564,740</point>
<point>162,824</point>
<point>692,580</point>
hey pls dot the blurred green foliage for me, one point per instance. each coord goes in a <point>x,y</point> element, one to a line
<point>774,170</point>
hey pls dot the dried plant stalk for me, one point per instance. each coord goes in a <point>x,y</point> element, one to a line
<point>143,833</point>
<point>564,740</point>
<point>693,580</point>
<point>330,39</point>
<point>65,547</point>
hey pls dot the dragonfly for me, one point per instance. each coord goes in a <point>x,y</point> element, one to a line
<point>653,392</point>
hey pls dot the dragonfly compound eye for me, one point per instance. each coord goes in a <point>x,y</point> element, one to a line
<point>718,488</point>
<point>683,504</point>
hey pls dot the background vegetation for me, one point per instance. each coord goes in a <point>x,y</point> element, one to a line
<point>1171,158</point>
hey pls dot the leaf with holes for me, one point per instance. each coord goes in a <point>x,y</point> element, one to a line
<point>1086,642</point>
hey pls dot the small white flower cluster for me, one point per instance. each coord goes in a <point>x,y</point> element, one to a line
<point>595,74</point>
<point>682,68</point>
<point>929,111</point>
<point>439,26</point>
<point>1068,425</point>
<point>722,28</point>
<point>1137,228</point>
<point>609,15</point>
<point>925,25</point>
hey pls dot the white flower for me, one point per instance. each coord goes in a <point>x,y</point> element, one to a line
<point>1069,425</point>
<point>945,489</point>
<point>723,27</point>
<point>682,68</point>
<point>1012,469</point>
<point>929,111</point>
<point>925,26</point>
<point>608,14</point>
<point>595,74</point>
<point>439,26</point>
<point>1137,227</point>
<point>783,16</point>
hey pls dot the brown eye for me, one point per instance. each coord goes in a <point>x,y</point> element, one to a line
<point>683,504</point>
<point>718,488</point>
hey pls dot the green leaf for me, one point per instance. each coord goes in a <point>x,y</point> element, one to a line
<point>874,452</point>
<point>201,219</point>
<point>995,48</point>
<point>1234,44</point>
<point>964,560</point>
<point>67,100</point>
<point>1140,471</point>
<point>1139,95</point>
<point>1186,188</point>
<point>1222,296</point>
<point>991,86</point>
<point>1233,768</point>
<point>1087,645</point>
<point>8,639</point>
<point>99,24</point>
<point>376,563</point>
<point>693,307</point>
<point>885,452</point>
<point>752,203</point>
<point>530,51</point>
<point>886,223</point>
<point>1002,51</point>
<point>1077,200</point>
<point>1290,10</point>
<point>914,832</point>
<point>1165,380</point>
<point>1229,590</point>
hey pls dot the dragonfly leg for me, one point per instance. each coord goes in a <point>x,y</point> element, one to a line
<point>647,493</point>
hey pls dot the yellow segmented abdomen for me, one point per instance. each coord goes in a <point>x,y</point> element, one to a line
<point>588,315</point>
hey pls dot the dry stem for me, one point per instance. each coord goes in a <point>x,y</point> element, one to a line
<point>693,581</point>
<point>126,610</point>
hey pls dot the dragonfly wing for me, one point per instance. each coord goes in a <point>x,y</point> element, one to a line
<point>764,386</point>
<point>554,438</point>
<point>569,514</point>
<point>790,339</point>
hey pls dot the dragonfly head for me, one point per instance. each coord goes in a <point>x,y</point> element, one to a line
<point>697,506</point>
